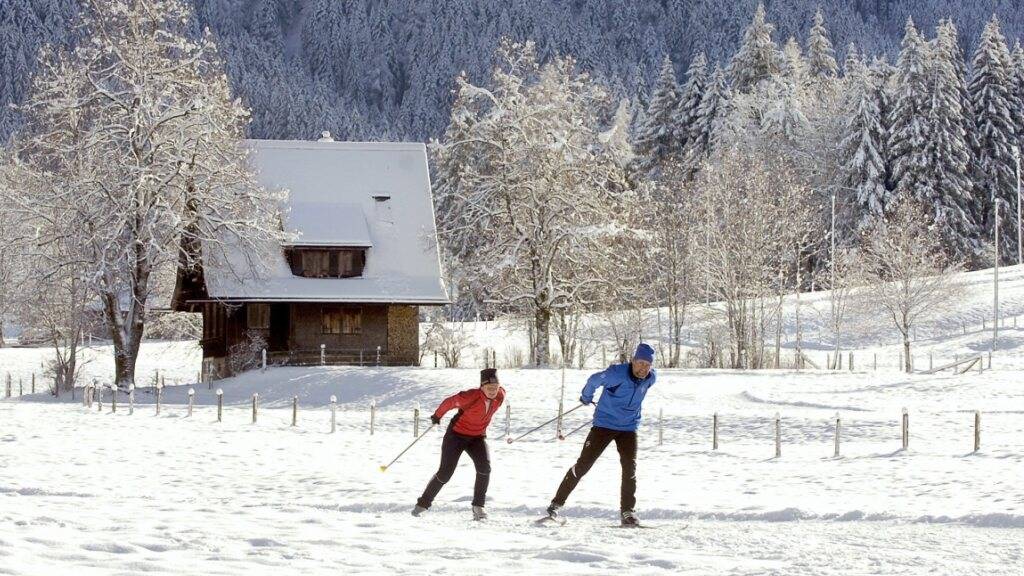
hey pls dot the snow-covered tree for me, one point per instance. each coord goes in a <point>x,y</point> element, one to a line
<point>758,57</point>
<point>945,186</point>
<point>690,97</point>
<point>908,124</point>
<point>863,147</point>
<point>133,150</point>
<point>991,92</point>
<point>912,281</point>
<point>794,66</point>
<point>536,202</point>
<point>656,138</point>
<point>821,58</point>
<point>714,107</point>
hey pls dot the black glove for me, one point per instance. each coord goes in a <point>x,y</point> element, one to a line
<point>584,402</point>
<point>434,419</point>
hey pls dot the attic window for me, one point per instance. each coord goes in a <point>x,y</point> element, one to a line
<point>327,263</point>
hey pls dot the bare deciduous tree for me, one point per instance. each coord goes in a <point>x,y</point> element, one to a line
<point>911,279</point>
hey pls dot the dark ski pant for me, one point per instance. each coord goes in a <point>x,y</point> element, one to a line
<point>597,441</point>
<point>452,448</point>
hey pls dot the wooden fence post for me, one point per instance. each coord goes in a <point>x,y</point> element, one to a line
<point>34,386</point>
<point>508,419</point>
<point>373,415</point>
<point>264,355</point>
<point>21,388</point>
<point>131,399</point>
<point>661,426</point>
<point>875,361</point>
<point>255,405</point>
<point>191,400</point>
<point>851,361</point>
<point>334,407</point>
<point>220,405</point>
<point>295,410</point>
<point>416,420</point>
<point>714,431</point>
<point>828,362</point>
<point>977,427</point>
<point>931,360</point>
<point>836,454</point>
<point>8,385</point>
<point>159,397</point>
<point>323,355</point>
<point>778,436</point>
<point>906,429</point>
<point>558,423</point>
<point>113,398</point>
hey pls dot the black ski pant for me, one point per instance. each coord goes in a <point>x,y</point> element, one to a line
<point>452,448</point>
<point>597,441</point>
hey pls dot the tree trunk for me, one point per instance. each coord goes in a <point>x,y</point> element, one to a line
<point>906,351</point>
<point>542,325</point>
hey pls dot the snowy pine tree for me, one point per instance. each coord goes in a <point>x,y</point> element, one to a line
<point>758,58</point>
<point>863,148</point>
<point>690,97</point>
<point>714,107</point>
<point>945,187</point>
<point>908,125</point>
<point>991,92</point>
<point>656,139</point>
<point>821,58</point>
<point>794,66</point>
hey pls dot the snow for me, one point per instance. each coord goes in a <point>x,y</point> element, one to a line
<point>95,492</point>
<point>327,224</point>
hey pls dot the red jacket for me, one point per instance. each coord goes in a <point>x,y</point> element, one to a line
<point>474,415</point>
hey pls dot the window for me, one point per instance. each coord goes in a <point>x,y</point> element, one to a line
<point>316,263</point>
<point>257,316</point>
<point>334,263</point>
<point>338,320</point>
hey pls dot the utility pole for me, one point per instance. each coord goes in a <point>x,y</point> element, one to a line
<point>1016,159</point>
<point>832,282</point>
<point>995,290</point>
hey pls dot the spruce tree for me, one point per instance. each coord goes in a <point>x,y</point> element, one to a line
<point>863,147</point>
<point>991,89</point>
<point>908,136</point>
<point>758,57</point>
<point>794,65</point>
<point>656,138</point>
<point>690,97</point>
<point>713,108</point>
<point>821,58</point>
<point>852,65</point>
<point>945,188</point>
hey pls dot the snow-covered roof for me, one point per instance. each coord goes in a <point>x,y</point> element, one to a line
<point>327,224</point>
<point>368,194</point>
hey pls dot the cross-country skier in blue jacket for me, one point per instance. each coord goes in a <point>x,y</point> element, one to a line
<point>616,418</point>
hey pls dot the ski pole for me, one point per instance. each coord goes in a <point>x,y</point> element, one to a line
<point>385,467</point>
<point>528,432</point>
<point>581,427</point>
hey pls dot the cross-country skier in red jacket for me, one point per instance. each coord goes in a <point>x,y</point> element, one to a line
<point>467,432</point>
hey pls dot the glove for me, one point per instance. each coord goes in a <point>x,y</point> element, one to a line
<point>435,419</point>
<point>585,402</point>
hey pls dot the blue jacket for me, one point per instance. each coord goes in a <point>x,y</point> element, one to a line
<point>619,406</point>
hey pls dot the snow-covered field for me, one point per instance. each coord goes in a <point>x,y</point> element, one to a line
<point>94,492</point>
<point>89,492</point>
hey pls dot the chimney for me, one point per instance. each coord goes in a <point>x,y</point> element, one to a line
<point>325,136</point>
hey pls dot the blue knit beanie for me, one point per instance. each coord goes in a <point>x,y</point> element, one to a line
<point>644,352</point>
